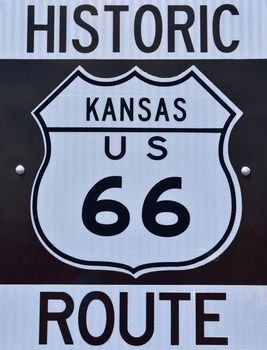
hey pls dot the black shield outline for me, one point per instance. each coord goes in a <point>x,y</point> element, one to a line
<point>136,72</point>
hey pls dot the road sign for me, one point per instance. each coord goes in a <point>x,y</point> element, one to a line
<point>133,208</point>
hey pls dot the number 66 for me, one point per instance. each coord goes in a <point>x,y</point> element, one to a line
<point>151,208</point>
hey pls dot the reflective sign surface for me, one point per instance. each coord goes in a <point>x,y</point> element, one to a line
<point>132,224</point>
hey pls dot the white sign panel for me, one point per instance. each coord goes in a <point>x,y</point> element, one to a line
<point>141,29</point>
<point>105,317</point>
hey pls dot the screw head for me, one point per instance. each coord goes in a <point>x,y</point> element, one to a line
<point>20,169</point>
<point>245,171</point>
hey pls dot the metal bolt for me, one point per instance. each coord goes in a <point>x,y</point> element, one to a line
<point>20,169</point>
<point>245,171</point>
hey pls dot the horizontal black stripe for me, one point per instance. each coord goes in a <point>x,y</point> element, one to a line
<point>106,129</point>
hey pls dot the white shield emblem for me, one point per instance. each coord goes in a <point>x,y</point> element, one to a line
<point>136,174</point>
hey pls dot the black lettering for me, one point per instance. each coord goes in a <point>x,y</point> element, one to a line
<point>202,317</point>
<point>162,149</point>
<point>90,108</point>
<point>174,298</point>
<point>63,29</point>
<point>216,28</point>
<point>109,110</point>
<point>82,318</point>
<point>49,28</point>
<point>145,108</point>
<point>116,9</point>
<point>184,28</point>
<point>124,107</point>
<point>122,151</point>
<point>162,111</point>
<point>59,317</point>
<point>130,339</point>
<point>181,109</point>
<point>81,23</point>
<point>203,28</point>
<point>138,28</point>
